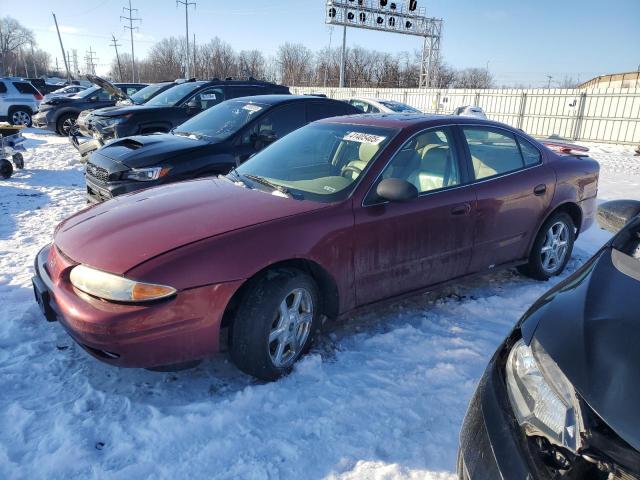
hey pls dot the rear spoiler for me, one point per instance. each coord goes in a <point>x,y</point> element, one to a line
<point>565,148</point>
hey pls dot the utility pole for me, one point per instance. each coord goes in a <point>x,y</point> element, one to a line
<point>66,64</point>
<point>91,61</point>
<point>131,28</point>
<point>57,68</point>
<point>75,61</point>
<point>186,4</point>
<point>549,77</point>
<point>326,67</point>
<point>195,72</point>
<point>115,45</point>
<point>343,55</point>
<point>33,59</point>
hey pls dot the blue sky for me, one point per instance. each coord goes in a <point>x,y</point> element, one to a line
<point>523,40</point>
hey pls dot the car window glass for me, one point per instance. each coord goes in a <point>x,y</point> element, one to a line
<point>279,122</point>
<point>3,88</point>
<point>318,110</point>
<point>428,161</point>
<point>530,153</point>
<point>173,95</point>
<point>104,96</point>
<point>207,98</point>
<point>493,152</point>
<point>246,91</point>
<point>24,87</point>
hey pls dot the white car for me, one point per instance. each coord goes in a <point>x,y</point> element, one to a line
<point>19,100</point>
<point>378,105</point>
<point>67,91</point>
<point>470,111</point>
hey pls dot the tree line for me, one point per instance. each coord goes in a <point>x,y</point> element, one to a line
<point>19,55</point>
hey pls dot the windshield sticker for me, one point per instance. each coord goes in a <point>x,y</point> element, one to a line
<point>364,138</point>
<point>208,96</point>
<point>252,108</point>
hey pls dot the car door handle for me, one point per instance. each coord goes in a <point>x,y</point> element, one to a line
<point>540,189</point>
<point>462,209</point>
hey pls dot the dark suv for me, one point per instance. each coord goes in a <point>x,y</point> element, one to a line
<point>211,143</point>
<point>60,113</point>
<point>173,106</point>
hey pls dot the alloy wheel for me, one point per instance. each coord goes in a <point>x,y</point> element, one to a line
<point>67,125</point>
<point>20,117</point>
<point>555,247</point>
<point>290,327</point>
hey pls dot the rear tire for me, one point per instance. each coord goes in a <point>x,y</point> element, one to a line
<point>20,116</point>
<point>552,248</point>
<point>65,123</point>
<point>275,323</point>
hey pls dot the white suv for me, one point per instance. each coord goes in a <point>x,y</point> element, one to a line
<point>19,100</point>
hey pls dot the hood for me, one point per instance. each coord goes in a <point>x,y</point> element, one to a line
<point>146,150</point>
<point>107,86</point>
<point>58,99</point>
<point>117,110</point>
<point>590,325</point>
<point>118,235</point>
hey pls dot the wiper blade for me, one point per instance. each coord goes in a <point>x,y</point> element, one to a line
<point>264,181</point>
<point>234,172</point>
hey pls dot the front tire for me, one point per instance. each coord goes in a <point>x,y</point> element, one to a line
<point>275,323</point>
<point>552,248</point>
<point>65,123</point>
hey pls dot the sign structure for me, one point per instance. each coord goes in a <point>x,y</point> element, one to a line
<point>402,16</point>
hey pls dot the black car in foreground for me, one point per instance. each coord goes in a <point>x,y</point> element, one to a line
<point>172,107</point>
<point>211,143</point>
<point>60,113</point>
<point>560,398</point>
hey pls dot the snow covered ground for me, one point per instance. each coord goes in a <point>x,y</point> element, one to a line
<point>382,395</point>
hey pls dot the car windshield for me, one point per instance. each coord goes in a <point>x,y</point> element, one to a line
<point>398,107</point>
<point>146,93</point>
<point>221,121</point>
<point>88,92</point>
<point>321,162</point>
<point>173,95</point>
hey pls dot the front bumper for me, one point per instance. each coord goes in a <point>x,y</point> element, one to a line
<point>492,444</point>
<point>84,145</point>
<point>42,120</point>
<point>100,192</point>
<point>181,329</point>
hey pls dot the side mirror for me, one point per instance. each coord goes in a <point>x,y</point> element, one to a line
<point>93,99</point>
<point>614,215</point>
<point>396,190</point>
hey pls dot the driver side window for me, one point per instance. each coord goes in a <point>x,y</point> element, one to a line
<point>207,98</point>
<point>428,161</point>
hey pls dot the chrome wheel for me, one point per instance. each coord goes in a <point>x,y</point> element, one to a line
<point>67,125</point>
<point>290,327</point>
<point>555,247</point>
<point>20,117</point>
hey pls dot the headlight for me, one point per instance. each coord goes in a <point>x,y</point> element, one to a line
<point>542,397</point>
<point>112,121</point>
<point>113,287</point>
<point>145,174</point>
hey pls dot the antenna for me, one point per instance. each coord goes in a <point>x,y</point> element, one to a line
<point>131,28</point>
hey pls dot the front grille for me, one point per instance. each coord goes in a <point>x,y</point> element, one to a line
<point>97,173</point>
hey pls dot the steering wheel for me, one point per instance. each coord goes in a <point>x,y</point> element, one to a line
<point>351,168</point>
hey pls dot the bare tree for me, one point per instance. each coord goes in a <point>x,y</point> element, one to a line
<point>473,78</point>
<point>219,59</point>
<point>295,63</point>
<point>13,37</point>
<point>568,82</point>
<point>251,63</point>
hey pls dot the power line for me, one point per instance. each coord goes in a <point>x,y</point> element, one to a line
<point>115,45</point>
<point>90,58</point>
<point>186,4</point>
<point>131,28</point>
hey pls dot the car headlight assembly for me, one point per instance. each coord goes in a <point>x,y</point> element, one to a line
<point>145,174</point>
<point>116,288</point>
<point>543,399</point>
<point>112,121</point>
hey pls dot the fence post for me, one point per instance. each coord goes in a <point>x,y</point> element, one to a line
<point>523,106</point>
<point>579,116</point>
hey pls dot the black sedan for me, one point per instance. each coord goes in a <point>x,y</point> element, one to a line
<point>560,398</point>
<point>210,143</point>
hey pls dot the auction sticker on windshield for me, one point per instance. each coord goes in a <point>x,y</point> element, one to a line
<point>252,108</point>
<point>364,138</point>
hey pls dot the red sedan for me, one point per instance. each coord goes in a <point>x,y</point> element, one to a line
<point>340,214</point>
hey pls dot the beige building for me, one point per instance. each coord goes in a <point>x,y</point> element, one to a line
<point>614,80</point>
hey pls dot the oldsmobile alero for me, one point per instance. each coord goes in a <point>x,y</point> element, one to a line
<point>340,214</point>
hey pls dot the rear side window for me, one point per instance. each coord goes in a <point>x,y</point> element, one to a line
<point>280,121</point>
<point>245,91</point>
<point>493,152</point>
<point>318,110</point>
<point>3,88</point>
<point>530,153</point>
<point>24,87</point>
<point>364,106</point>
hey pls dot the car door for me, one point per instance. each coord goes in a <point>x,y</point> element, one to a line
<point>274,124</point>
<point>4,104</point>
<point>513,189</point>
<point>400,247</point>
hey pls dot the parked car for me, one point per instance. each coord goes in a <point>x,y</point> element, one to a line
<point>19,100</point>
<point>210,143</point>
<point>376,105</point>
<point>68,91</point>
<point>42,85</point>
<point>341,213</point>
<point>172,107</point>
<point>59,114</point>
<point>470,111</point>
<point>559,398</point>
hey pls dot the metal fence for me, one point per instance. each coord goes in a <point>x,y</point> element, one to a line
<point>609,115</point>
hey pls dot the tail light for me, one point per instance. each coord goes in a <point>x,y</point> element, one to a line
<point>566,148</point>
<point>38,96</point>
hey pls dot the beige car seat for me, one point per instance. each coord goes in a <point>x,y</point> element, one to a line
<point>366,152</point>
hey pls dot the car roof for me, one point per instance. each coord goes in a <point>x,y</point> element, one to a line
<point>276,99</point>
<point>410,120</point>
